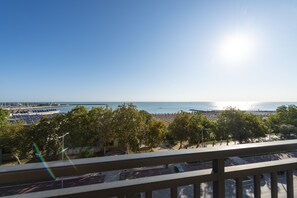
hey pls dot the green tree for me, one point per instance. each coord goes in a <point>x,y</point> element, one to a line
<point>11,139</point>
<point>288,130</point>
<point>100,126</point>
<point>129,126</point>
<point>254,126</point>
<point>3,117</point>
<point>229,123</point>
<point>146,116</point>
<point>200,129</point>
<point>76,123</point>
<point>155,133</point>
<point>45,134</point>
<point>3,127</point>
<point>287,114</point>
<point>196,129</point>
<point>12,136</point>
<point>239,125</point>
<point>179,127</point>
<point>283,121</point>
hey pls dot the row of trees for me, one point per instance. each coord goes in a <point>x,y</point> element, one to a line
<point>97,127</point>
<point>231,124</point>
<point>10,135</point>
<point>284,121</point>
<point>133,128</point>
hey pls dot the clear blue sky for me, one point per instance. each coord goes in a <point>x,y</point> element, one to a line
<point>115,50</point>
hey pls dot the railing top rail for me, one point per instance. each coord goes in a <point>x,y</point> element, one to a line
<point>165,157</point>
<point>37,171</point>
<point>128,186</point>
<point>164,181</point>
<point>260,168</point>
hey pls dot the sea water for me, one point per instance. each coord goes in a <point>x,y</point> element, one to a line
<point>174,107</point>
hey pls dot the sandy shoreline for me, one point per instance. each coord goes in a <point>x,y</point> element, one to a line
<point>212,115</point>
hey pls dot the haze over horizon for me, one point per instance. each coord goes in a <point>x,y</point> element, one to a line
<point>148,50</point>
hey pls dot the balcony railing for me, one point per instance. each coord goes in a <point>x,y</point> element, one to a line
<point>218,174</point>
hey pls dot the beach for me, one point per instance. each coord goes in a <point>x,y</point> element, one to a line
<point>212,115</point>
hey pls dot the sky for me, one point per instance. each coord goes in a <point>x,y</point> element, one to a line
<point>168,50</point>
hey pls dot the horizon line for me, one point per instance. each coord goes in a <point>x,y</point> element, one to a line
<point>128,101</point>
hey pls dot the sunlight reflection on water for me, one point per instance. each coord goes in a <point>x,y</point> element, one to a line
<point>235,104</point>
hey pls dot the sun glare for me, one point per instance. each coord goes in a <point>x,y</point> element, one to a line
<point>236,48</point>
<point>234,104</point>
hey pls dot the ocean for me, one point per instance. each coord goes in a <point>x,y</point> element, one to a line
<point>174,107</point>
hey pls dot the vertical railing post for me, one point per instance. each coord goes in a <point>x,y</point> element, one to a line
<point>290,186</point>
<point>173,192</point>
<point>239,187</point>
<point>0,156</point>
<point>273,179</point>
<point>148,194</point>
<point>257,187</point>
<point>197,190</point>
<point>218,167</point>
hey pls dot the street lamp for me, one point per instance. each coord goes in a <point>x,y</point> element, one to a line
<point>63,149</point>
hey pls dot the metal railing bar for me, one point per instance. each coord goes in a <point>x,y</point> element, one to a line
<point>36,171</point>
<point>257,187</point>
<point>148,184</point>
<point>239,187</point>
<point>274,190</point>
<point>290,186</point>
<point>219,185</point>
<point>233,172</point>
<point>197,190</point>
<point>22,177</point>
<point>148,194</point>
<point>129,186</point>
<point>173,192</point>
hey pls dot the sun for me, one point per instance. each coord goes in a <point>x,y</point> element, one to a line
<point>236,48</point>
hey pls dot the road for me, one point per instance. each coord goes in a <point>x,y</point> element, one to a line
<point>206,189</point>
